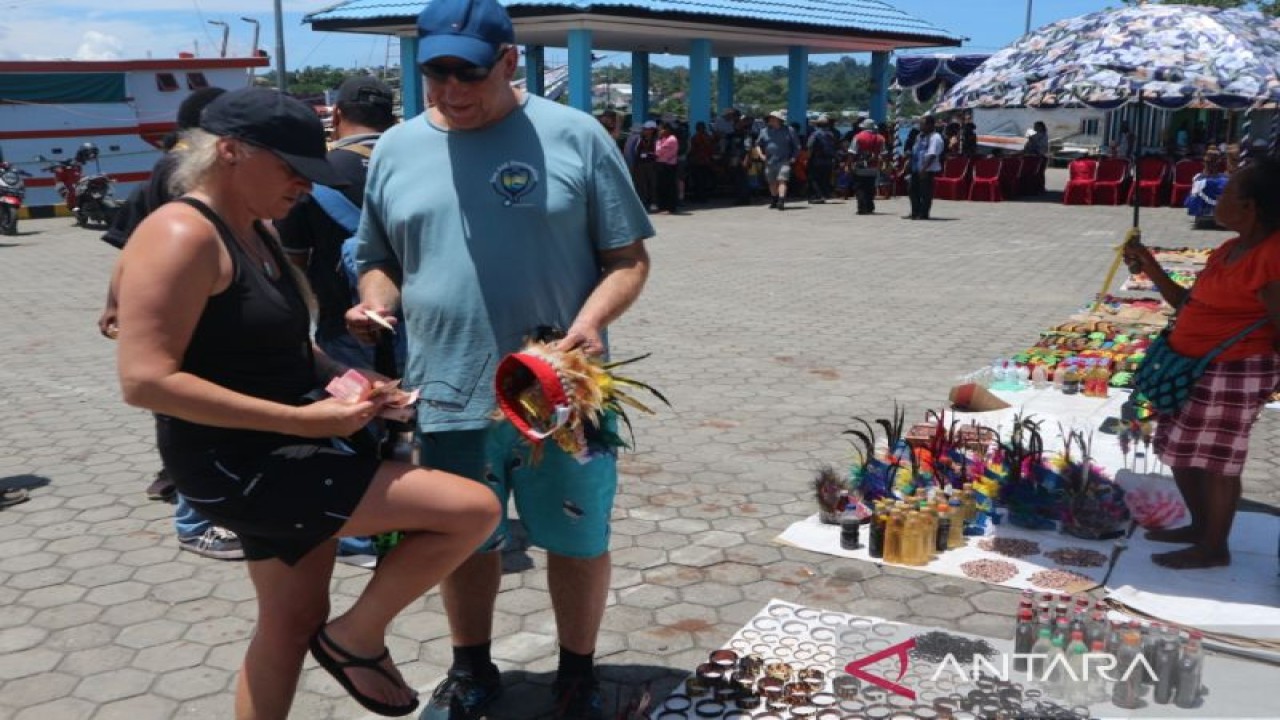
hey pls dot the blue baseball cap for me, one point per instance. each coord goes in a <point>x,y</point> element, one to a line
<point>471,30</point>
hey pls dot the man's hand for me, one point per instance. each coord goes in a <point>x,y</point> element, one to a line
<point>582,336</point>
<point>364,328</point>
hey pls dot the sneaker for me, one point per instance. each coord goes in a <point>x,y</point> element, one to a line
<point>162,487</point>
<point>462,696</point>
<point>216,542</point>
<point>13,496</point>
<point>577,699</point>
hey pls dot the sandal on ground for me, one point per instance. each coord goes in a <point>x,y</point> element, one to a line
<point>321,644</point>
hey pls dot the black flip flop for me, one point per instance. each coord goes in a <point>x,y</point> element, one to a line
<point>337,667</point>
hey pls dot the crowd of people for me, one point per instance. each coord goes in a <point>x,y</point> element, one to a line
<point>743,158</point>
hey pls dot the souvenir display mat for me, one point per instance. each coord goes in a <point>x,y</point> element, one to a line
<point>1242,599</point>
<point>820,645</point>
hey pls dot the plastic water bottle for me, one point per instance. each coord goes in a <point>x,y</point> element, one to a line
<point>1023,375</point>
<point>1039,377</point>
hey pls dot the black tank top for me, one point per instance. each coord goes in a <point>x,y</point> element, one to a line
<point>253,337</point>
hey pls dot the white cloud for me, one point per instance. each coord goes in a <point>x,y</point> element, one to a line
<point>99,46</point>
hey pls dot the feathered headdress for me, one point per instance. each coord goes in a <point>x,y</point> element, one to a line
<point>567,396</point>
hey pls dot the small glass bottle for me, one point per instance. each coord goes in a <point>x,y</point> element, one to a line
<point>850,531</point>
<point>1024,637</point>
<point>1127,691</point>
<point>956,538</point>
<point>893,538</point>
<point>1166,669</point>
<point>942,537</point>
<point>875,542</point>
<point>1187,692</point>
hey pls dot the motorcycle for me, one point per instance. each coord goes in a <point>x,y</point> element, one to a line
<point>12,190</point>
<point>91,198</point>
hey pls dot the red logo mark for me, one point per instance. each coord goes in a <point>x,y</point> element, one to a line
<point>900,651</point>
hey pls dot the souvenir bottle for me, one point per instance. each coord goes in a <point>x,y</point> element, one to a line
<point>1024,637</point>
<point>850,531</point>
<point>912,529</point>
<point>1096,629</point>
<point>968,504</point>
<point>1097,681</point>
<point>893,538</point>
<point>1127,691</point>
<point>1077,690</point>
<point>942,538</point>
<point>1100,379</point>
<point>875,543</point>
<point>1057,679</point>
<point>956,538</point>
<point>929,530</point>
<point>1187,690</point>
<point>1166,669</point>
<point>1059,373</point>
<point>1041,654</point>
<point>1071,380</point>
<point>1151,636</point>
<point>1040,377</point>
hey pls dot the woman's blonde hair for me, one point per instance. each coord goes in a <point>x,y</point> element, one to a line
<point>196,155</point>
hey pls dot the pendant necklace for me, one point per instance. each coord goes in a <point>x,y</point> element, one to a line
<point>267,266</point>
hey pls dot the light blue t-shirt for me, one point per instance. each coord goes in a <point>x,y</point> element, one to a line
<point>495,233</point>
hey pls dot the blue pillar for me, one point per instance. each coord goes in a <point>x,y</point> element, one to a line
<point>411,95</point>
<point>724,79</point>
<point>879,85</point>
<point>639,87</point>
<point>699,81</point>
<point>533,70</point>
<point>797,84</point>
<point>580,69</point>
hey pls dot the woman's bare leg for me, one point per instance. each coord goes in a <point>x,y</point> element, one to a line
<point>292,603</point>
<point>1220,494</point>
<point>445,518</point>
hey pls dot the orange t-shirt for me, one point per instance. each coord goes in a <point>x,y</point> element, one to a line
<point>1226,300</point>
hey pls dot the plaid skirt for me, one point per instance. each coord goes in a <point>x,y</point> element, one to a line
<point>1211,431</point>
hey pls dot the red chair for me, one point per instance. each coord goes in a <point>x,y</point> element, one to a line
<point>1031,179</point>
<point>986,180</point>
<point>1010,171</point>
<point>953,182</point>
<point>1109,185</point>
<point>1150,185</point>
<point>1081,174</point>
<point>1184,172</point>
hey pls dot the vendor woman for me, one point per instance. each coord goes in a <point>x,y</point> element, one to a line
<point>1205,442</point>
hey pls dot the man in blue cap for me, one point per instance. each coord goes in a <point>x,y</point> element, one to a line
<point>493,215</point>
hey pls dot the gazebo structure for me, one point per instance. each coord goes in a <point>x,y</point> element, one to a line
<point>700,29</point>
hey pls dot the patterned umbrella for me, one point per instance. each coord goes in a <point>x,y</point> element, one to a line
<point>1174,55</point>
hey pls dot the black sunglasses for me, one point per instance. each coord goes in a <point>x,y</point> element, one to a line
<point>466,73</point>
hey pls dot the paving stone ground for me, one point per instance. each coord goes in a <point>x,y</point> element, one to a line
<point>769,331</point>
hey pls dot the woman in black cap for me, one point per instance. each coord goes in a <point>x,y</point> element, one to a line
<point>215,340</point>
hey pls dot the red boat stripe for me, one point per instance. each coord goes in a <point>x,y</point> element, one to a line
<point>148,128</point>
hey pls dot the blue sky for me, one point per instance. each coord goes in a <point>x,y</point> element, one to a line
<point>98,29</point>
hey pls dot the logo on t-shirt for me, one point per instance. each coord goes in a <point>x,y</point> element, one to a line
<point>513,180</point>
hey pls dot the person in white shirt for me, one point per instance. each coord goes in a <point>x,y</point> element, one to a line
<point>926,163</point>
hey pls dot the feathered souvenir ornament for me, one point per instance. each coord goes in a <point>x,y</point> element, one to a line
<point>567,396</point>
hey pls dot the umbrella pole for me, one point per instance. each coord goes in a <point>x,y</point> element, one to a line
<point>1135,151</point>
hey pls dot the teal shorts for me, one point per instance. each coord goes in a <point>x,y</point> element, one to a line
<point>565,505</point>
